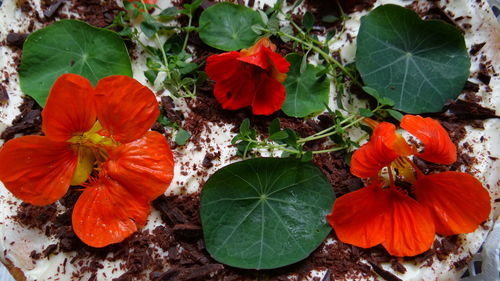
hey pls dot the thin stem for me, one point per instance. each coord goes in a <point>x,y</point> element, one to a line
<point>158,44</point>
<point>325,56</point>
<point>187,32</point>
<point>329,150</point>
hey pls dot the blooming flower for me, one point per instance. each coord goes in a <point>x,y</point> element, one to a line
<point>102,130</point>
<point>250,77</point>
<point>403,220</point>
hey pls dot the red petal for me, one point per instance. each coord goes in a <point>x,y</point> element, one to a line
<point>145,167</point>
<point>125,107</point>
<point>279,62</point>
<point>37,169</point>
<point>106,213</point>
<point>223,66</point>
<point>368,160</point>
<point>458,202</point>
<point>269,97</point>
<point>358,217</point>
<point>438,147</point>
<point>410,230</point>
<point>70,108</point>
<point>239,90</point>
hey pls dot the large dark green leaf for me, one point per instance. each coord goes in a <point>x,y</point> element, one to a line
<point>70,46</point>
<point>418,64</point>
<point>228,26</point>
<point>307,91</point>
<point>266,212</point>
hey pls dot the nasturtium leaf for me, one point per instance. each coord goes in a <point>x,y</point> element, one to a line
<point>182,137</point>
<point>70,46</point>
<point>265,213</point>
<point>307,92</point>
<point>417,64</point>
<point>228,26</point>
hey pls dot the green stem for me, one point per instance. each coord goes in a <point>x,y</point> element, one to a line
<point>158,44</point>
<point>187,32</point>
<point>333,149</point>
<point>325,56</point>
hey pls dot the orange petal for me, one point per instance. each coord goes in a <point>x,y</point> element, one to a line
<point>106,213</point>
<point>358,217</point>
<point>438,147</point>
<point>145,167</point>
<point>377,153</point>
<point>70,108</point>
<point>457,201</point>
<point>269,96</point>
<point>410,230</point>
<point>125,107</point>
<point>37,169</point>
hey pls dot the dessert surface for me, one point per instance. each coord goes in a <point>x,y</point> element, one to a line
<point>39,242</point>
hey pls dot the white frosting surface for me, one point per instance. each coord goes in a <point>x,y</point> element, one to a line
<point>19,242</point>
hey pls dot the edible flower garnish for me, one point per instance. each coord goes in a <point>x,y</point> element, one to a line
<point>405,210</point>
<point>100,133</point>
<point>251,77</point>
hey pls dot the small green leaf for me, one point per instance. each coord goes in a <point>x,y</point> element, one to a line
<point>372,92</point>
<point>151,75</point>
<point>182,136</point>
<point>149,26</point>
<point>330,34</point>
<point>418,64</point>
<point>296,4</point>
<point>245,127</point>
<point>306,157</point>
<point>257,28</point>
<point>263,16</point>
<point>275,126</point>
<point>227,26</point>
<point>70,46</point>
<point>286,30</point>
<point>280,135</point>
<point>169,13</point>
<point>306,93</point>
<point>395,114</point>
<point>265,213</point>
<point>365,112</point>
<point>329,18</point>
<point>308,21</point>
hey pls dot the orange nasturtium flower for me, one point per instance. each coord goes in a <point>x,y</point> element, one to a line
<point>251,77</point>
<point>103,130</point>
<point>405,220</point>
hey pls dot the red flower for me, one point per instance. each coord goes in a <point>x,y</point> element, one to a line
<point>251,77</point>
<point>104,130</point>
<point>152,2</point>
<point>405,221</point>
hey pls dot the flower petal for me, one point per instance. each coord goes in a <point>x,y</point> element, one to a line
<point>145,167</point>
<point>358,217</point>
<point>223,66</point>
<point>106,213</point>
<point>125,108</point>
<point>409,229</point>
<point>377,153</point>
<point>438,147</point>
<point>37,169</point>
<point>457,201</point>
<point>269,97</point>
<point>238,91</point>
<point>70,108</point>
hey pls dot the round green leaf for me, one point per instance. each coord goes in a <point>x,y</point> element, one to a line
<point>307,91</point>
<point>265,213</point>
<point>228,26</point>
<point>418,64</point>
<point>70,46</point>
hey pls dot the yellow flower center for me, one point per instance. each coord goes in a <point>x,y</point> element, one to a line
<point>91,148</point>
